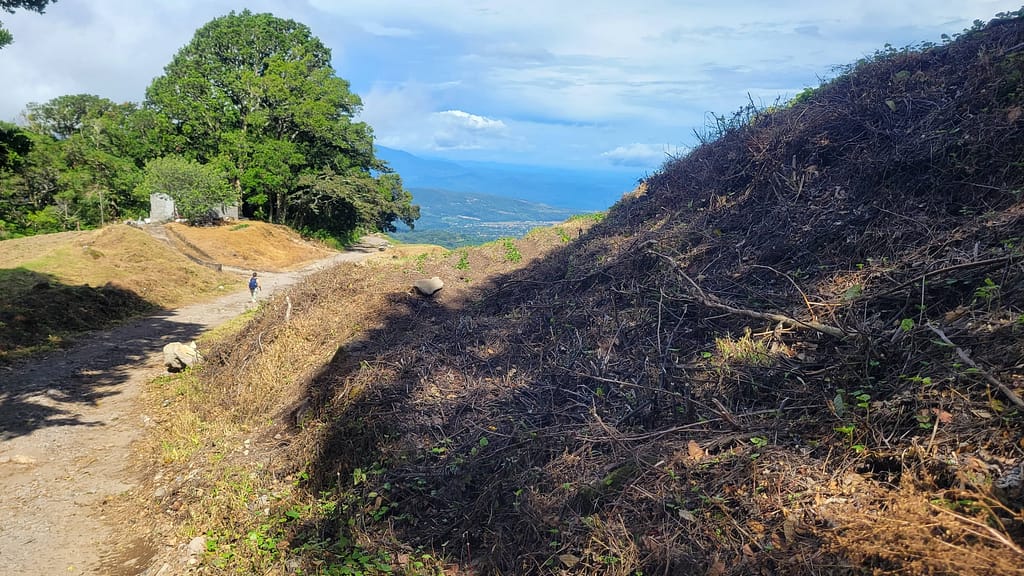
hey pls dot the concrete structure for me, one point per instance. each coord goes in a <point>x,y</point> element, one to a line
<point>161,209</point>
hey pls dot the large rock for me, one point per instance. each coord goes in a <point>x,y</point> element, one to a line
<point>428,286</point>
<point>178,355</point>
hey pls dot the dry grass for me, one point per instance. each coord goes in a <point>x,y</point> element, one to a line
<point>117,255</point>
<point>251,245</point>
<point>55,287</point>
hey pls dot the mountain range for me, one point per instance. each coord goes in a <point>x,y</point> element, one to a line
<point>472,202</point>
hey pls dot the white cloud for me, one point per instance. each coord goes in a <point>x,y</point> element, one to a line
<point>545,78</point>
<point>403,117</point>
<point>471,122</point>
<point>641,155</point>
<point>378,29</point>
<point>459,130</point>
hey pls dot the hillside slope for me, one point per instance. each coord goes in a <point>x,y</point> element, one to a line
<point>796,350</point>
<point>56,286</point>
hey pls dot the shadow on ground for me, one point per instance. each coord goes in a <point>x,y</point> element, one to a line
<point>51,389</point>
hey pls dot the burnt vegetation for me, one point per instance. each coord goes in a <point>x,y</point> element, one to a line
<point>796,349</point>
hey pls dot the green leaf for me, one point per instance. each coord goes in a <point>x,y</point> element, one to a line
<point>853,292</point>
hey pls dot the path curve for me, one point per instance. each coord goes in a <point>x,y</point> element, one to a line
<point>67,422</point>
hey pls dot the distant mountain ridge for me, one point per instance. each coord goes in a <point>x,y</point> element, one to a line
<point>453,219</point>
<point>573,189</point>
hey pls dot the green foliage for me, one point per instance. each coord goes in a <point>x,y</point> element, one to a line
<point>82,167</point>
<point>65,116</point>
<point>987,292</point>
<point>592,216</point>
<point>196,189</point>
<point>256,95</point>
<point>463,263</point>
<point>14,145</point>
<point>853,292</point>
<point>252,98</point>
<point>512,253</point>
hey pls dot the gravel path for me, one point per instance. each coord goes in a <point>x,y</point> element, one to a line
<point>67,424</point>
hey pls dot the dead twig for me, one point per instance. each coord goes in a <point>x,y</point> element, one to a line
<point>988,377</point>
<point>712,302</point>
<point>917,279</point>
<point>793,282</point>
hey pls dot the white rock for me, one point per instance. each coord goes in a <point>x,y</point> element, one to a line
<point>428,286</point>
<point>197,546</point>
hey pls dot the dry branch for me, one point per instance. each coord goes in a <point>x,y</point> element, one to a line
<point>711,302</point>
<point>961,266</point>
<point>988,377</point>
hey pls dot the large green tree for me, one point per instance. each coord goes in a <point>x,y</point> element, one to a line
<point>10,5</point>
<point>197,189</point>
<point>83,166</point>
<point>65,115</point>
<point>257,96</point>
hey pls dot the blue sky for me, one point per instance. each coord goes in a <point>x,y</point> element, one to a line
<point>593,84</point>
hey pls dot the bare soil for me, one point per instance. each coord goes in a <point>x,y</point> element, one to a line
<point>67,424</point>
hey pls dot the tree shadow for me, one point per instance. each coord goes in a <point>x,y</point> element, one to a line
<point>104,339</point>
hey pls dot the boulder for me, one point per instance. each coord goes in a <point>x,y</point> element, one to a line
<point>178,356</point>
<point>428,286</point>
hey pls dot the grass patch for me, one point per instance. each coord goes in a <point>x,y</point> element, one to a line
<point>744,350</point>
<point>592,217</point>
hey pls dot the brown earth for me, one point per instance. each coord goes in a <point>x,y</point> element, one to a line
<point>799,349</point>
<point>68,419</point>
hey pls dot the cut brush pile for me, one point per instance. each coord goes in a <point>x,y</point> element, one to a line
<point>796,350</point>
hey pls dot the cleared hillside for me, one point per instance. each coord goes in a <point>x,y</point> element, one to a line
<point>54,287</point>
<point>796,350</point>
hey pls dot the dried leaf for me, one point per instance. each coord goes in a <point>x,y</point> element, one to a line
<point>982,414</point>
<point>717,568</point>
<point>687,515</point>
<point>789,526</point>
<point>942,416</point>
<point>569,560</point>
<point>695,451</point>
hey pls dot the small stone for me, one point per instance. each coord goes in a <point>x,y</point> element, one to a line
<point>428,286</point>
<point>197,546</point>
<point>160,493</point>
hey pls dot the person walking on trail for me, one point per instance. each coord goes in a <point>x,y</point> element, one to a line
<point>254,286</point>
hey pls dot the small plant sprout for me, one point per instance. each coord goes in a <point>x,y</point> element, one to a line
<point>512,253</point>
<point>987,292</point>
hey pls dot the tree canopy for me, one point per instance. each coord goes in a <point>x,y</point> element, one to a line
<point>257,96</point>
<point>252,102</point>
<point>196,189</point>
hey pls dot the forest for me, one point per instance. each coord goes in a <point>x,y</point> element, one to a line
<point>249,112</point>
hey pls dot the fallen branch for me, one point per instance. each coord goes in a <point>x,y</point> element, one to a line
<point>915,280</point>
<point>712,302</point>
<point>988,377</point>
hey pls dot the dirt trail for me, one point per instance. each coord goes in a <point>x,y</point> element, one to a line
<point>67,423</point>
